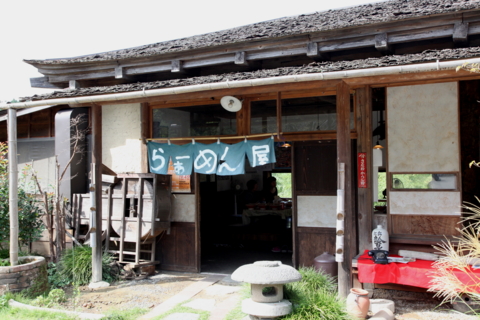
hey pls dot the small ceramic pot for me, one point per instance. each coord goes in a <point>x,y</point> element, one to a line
<point>358,303</point>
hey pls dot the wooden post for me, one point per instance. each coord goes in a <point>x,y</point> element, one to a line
<point>97,172</point>
<point>145,133</point>
<point>363,99</point>
<point>13,185</point>
<point>138,246</point>
<point>124,207</point>
<point>344,155</point>
<point>279,113</point>
<point>109,217</point>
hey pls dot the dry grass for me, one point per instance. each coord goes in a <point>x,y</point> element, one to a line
<point>459,256</point>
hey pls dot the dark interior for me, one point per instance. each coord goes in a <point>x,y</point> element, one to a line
<point>227,241</point>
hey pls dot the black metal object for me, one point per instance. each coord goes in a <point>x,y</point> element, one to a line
<point>379,256</point>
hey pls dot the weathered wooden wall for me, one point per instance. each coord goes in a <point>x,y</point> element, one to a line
<point>176,250</point>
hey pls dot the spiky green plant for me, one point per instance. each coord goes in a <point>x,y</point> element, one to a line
<point>75,266</point>
<point>315,297</point>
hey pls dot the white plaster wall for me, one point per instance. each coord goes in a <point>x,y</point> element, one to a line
<point>422,124</point>
<point>424,203</point>
<point>183,207</point>
<point>121,135</point>
<point>317,211</point>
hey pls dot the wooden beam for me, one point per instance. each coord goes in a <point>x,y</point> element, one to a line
<point>326,85</point>
<point>120,73</point>
<point>460,33</point>
<point>312,49</point>
<point>42,82</point>
<point>81,76</point>
<point>344,155</point>
<point>177,66</point>
<point>241,58</point>
<point>400,79</point>
<point>381,42</point>
<point>73,84</point>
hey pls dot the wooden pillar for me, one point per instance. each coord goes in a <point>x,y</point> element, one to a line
<point>13,185</point>
<point>145,133</point>
<point>97,173</point>
<point>344,155</point>
<point>363,102</point>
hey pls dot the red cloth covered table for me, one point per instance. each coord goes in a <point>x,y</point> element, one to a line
<point>416,274</point>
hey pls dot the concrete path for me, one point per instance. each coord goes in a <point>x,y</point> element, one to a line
<point>189,292</point>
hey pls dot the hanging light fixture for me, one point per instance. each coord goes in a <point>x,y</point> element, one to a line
<point>378,145</point>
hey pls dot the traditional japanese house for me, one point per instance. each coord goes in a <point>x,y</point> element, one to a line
<point>328,85</point>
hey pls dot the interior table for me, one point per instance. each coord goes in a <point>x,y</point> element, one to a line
<point>248,213</point>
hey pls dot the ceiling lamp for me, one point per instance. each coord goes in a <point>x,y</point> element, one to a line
<point>231,104</point>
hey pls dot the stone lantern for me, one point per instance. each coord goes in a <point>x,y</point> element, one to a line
<point>267,279</point>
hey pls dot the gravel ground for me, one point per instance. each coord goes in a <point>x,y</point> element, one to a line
<point>150,292</point>
<point>146,293</point>
<point>419,306</point>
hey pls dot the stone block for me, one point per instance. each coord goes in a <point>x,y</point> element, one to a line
<point>266,310</point>
<point>7,281</point>
<point>4,270</point>
<point>8,276</point>
<point>3,289</point>
<point>21,285</point>
<point>23,267</point>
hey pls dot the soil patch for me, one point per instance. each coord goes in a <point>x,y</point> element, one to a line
<point>146,293</point>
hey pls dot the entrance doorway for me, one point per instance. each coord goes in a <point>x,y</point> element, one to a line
<point>236,230</point>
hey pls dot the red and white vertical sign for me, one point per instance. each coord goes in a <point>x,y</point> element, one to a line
<point>362,169</point>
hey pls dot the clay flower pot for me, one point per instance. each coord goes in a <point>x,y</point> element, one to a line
<point>358,303</point>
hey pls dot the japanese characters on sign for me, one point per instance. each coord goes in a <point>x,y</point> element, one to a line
<point>220,158</point>
<point>362,170</point>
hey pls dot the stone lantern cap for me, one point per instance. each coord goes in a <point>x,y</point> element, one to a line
<point>266,272</point>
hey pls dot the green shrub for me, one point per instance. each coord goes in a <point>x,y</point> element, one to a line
<point>55,278</point>
<point>54,297</point>
<point>3,302</point>
<point>4,253</point>
<point>75,266</point>
<point>315,297</point>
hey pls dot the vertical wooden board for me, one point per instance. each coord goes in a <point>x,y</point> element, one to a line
<point>315,167</point>
<point>118,209</point>
<point>185,242</point>
<point>313,242</point>
<point>148,186</point>
<point>363,98</point>
<point>147,209</point>
<point>425,225</point>
<point>243,118</point>
<point>163,202</point>
<point>165,250</point>
<point>176,251</point>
